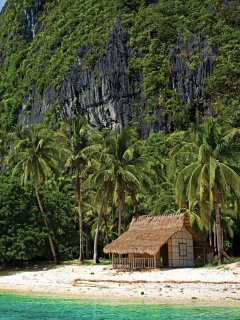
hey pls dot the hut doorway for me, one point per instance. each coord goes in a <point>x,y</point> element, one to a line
<point>164,255</point>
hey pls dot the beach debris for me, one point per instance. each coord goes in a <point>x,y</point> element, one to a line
<point>85,283</point>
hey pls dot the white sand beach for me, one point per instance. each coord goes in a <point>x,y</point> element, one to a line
<point>160,285</point>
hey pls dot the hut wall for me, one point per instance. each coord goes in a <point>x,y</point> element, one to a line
<point>142,260</point>
<point>158,261</point>
<point>139,255</point>
<point>180,249</point>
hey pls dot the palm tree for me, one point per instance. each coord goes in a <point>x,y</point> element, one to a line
<point>104,186</point>
<point>34,155</point>
<point>210,177</point>
<point>81,144</point>
<point>125,165</point>
<point>161,199</point>
<point>118,169</point>
<point>105,197</point>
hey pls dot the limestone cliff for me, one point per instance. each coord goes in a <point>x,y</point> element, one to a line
<point>106,88</point>
<point>109,95</point>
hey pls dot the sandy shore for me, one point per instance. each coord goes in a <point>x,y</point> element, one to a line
<point>159,285</point>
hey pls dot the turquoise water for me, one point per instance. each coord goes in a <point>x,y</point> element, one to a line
<point>16,307</point>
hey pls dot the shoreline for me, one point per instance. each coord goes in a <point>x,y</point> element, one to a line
<point>113,300</point>
<point>202,285</point>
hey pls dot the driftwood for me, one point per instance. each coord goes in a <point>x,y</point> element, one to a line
<point>91,281</point>
<point>87,283</point>
<point>226,256</point>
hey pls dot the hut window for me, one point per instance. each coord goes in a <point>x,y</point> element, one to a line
<point>182,249</point>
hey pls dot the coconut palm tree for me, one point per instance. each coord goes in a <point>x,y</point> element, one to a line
<point>34,155</point>
<point>125,165</point>
<point>100,181</point>
<point>210,176</point>
<point>116,171</point>
<point>81,144</point>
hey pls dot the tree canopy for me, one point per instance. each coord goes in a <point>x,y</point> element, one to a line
<point>193,161</point>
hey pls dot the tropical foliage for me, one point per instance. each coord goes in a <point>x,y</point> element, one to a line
<point>81,145</point>
<point>81,186</point>
<point>117,169</point>
<point>33,60</point>
<point>35,156</point>
<point>115,176</point>
<point>23,234</point>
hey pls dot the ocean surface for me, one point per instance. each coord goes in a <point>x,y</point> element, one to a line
<point>19,307</point>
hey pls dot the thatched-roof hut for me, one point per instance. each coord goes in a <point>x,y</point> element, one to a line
<point>159,241</point>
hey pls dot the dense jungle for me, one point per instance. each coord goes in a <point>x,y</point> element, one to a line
<point>115,109</point>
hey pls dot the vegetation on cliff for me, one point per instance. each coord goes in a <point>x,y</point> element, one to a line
<point>39,42</point>
<point>39,45</point>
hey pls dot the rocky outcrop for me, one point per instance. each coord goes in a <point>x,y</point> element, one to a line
<point>105,91</point>
<point>108,93</point>
<point>190,64</point>
<point>3,8</point>
<point>31,22</point>
<point>35,106</point>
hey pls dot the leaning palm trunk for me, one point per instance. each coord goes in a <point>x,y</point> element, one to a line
<point>46,225</point>
<point>218,227</point>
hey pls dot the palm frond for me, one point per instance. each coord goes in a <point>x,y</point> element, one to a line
<point>193,184</point>
<point>232,178</point>
<point>181,182</point>
<point>213,164</point>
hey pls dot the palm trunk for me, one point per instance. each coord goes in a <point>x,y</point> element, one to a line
<point>210,233</point>
<point>87,246</point>
<point>120,201</point>
<point>214,236</point>
<point>80,232</point>
<point>46,225</point>
<point>120,210</point>
<point>218,227</point>
<point>80,217</point>
<point>95,251</point>
<point>106,230</point>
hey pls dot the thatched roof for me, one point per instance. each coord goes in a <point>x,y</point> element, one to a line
<point>147,234</point>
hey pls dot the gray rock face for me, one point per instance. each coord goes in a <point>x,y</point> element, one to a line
<point>106,95</point>
<point>35,106</point>
<point>31,22</point>
<point>191,63</point>
<point>109,95</point>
